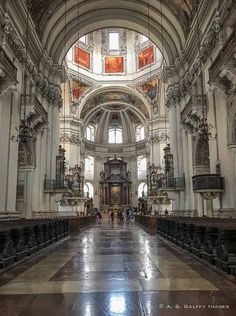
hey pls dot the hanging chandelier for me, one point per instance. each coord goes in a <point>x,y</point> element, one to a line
<point>26,133</point>
<point>202,130</point>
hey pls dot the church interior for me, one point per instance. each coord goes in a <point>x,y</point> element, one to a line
<point>118,157</point>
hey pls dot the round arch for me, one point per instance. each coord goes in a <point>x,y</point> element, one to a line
<point>88,190</point>
<point>142,189</point>
<point>66,26</point>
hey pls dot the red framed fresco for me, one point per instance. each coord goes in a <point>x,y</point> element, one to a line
<point>114,64</point>
<point>146,57</point>
<point>81,57</point>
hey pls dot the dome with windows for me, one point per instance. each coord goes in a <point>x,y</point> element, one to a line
<point>113,55</point>
<point>114,85</point>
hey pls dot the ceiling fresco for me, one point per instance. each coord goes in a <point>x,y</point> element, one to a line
<point>111,99</point>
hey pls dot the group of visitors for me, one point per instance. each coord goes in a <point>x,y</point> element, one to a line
<point>121,216</point>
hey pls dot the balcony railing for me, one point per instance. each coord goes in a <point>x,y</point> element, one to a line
<point>172,183</point>
<point>55,185</point>
<point>51,185</point>
<point>208,182</point>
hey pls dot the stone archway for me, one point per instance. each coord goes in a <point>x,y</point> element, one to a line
<point>63,22</point>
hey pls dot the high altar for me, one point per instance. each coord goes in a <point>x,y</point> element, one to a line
<point>115,185</point>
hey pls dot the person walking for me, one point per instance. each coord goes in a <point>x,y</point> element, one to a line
<point>112,217</point>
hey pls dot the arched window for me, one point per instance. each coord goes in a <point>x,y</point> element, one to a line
<point>142,190</point>
<point>140,135</point>
<point>89,168</point>
<point>115,135</point>
<point>142,167</point>
<point>89,133</point>
<point>114,40</point>
<point>88,190</point>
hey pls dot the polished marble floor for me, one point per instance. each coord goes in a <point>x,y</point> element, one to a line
<point>115,270</point>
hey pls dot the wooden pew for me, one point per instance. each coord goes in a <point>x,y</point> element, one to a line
<point>21,238</point>
<point>212,239</point>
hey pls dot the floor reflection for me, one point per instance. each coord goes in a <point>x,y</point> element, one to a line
<point>117,303</point>
<point>115,269</point>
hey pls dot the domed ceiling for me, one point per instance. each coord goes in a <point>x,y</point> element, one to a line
<point>114,100</point>
<point>93,89</point>
<point>99,91</point>
<point>127,119</point>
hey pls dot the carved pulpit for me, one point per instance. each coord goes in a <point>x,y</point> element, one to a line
<point>115,183</point>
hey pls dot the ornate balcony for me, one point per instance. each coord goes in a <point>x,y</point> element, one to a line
<point>225,55</point>
<point>208,183</point>
<point>172,184</point>
<point>58,186</point>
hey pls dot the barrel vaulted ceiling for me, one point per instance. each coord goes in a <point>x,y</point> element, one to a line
<point>61,22</point>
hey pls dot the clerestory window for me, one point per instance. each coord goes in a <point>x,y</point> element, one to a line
<point>89,168</point>
<point>114,40</point>
<point>140,135</point>
<point>115,135</point>
<point>89,133</point>
<point>142,167</point>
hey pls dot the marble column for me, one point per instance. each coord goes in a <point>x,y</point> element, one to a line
<point>188,179</point>
<point>190,162</point>
<point>8,154</point>
<point>173,138</point>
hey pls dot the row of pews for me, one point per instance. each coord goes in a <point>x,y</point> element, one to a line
<point>211,239</point>
<point>22,238</point>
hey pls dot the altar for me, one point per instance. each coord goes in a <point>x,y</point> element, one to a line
<point>115,185</point>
